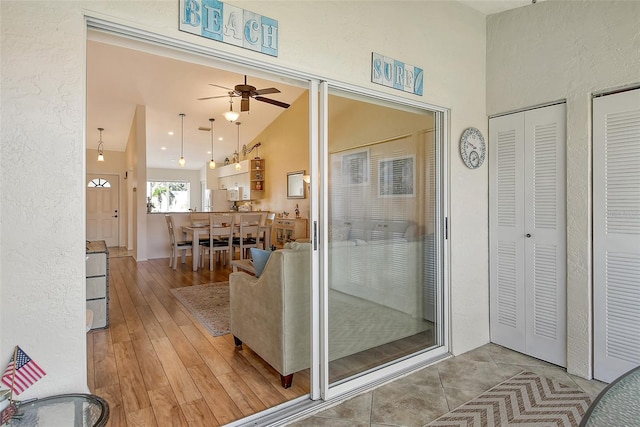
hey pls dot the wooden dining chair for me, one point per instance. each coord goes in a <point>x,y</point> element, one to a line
<point>220,239</point>
<point>176,245</point>
<point>267,229</point>
<point>248,235</point>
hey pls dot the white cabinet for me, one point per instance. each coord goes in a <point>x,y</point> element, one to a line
<point>228,177</point>
<point>616,234</point>
<point>288,230</point>
<point>527,237</point>
<point>97,282</point>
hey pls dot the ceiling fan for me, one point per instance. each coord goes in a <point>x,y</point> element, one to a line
<point>245,92</point>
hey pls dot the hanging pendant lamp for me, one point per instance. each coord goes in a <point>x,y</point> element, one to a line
<point>100,147</point>
<point>231,115</point>
<point>182,162</point>
<point>238,167</point>
<point>212,163</point>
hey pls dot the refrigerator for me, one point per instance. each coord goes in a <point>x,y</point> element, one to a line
<point>216,201</point>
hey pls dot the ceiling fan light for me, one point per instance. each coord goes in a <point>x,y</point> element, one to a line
<point>231,115</point>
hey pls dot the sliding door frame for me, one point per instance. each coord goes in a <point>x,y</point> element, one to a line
<point>318,190</point>
<point>394,369</point>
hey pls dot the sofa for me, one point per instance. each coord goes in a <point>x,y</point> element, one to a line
<point>271,315</point>
<point>378,260</point>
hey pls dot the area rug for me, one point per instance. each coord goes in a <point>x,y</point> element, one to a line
<point>526,399</point>
<point>208,303</point>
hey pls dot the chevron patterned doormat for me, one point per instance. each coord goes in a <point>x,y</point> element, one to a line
<point>526,399</point>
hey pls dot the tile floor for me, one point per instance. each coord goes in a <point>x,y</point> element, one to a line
<point>423,396</point>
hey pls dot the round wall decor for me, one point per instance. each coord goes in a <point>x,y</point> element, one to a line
<point>472,148</point>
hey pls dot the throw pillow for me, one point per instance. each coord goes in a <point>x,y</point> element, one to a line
<point>338,233</point>
<point>260,258</point>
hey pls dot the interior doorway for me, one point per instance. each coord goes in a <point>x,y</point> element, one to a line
<point>103,216</point>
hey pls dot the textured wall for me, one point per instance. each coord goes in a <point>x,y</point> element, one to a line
<point>42,171</point>
<point>42,200</point>
<point>566,50</point>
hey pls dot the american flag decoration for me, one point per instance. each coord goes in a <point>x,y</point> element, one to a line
<point>21,372</point>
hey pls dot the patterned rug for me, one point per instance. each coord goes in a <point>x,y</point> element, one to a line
<point>526,399</point>
<point>209,304</point>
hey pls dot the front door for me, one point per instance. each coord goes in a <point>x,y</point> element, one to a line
<point>102,208</point>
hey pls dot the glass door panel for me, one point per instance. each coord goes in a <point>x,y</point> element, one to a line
<point>383,203</point>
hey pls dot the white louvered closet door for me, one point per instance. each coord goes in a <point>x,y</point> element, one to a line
<point>506,223</point>
<point>527,232</point>
<point>545,233</point>
<point>616,233</point>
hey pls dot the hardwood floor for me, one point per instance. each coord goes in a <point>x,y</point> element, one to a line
<point>157,366</point>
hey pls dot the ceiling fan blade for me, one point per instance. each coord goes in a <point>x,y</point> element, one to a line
<point>222,87</point>
<point>213,97</point>
<point>266,91</point>
<point>272,101</point>
<point>244,104</point>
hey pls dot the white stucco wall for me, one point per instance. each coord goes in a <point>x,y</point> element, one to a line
<point>42,204</point>
<point>566,50</point>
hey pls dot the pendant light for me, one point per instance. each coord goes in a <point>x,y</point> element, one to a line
<point>238,167</point>
<point>212,163</point>
<point>100,147</point>
<point>182,162</point>
<point>231,115</point>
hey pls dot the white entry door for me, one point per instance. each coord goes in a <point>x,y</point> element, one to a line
<point>102,208</point>
<point>527,232</point>
<point>616,234</point>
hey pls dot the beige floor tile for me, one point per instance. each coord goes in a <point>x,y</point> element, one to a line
<point>457,396</point>
<point>315,421</point>
<point>465,374</point>
<point>552,372</point>
<point>427,377</point>
<point>425,395</point>
<point>502,355</point>
<point>407,405</point>
<point>357,409</point>
<point>591,387</point>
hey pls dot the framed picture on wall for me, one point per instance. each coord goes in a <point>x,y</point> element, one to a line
<point>355,167</point>
<point>396,177</point>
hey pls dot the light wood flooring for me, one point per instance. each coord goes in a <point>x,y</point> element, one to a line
<point>156,365</point>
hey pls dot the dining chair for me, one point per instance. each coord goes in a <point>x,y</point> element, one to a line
<point>199,218</point>
<point>267,229</point>
<point>248,233</point>
<point>220,239</point>
<point>176,245</point>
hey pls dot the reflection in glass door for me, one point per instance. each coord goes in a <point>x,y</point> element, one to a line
<point>384,293</point>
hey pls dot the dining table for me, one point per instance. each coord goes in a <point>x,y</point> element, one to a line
<point>202,230</point>
<point>195,231</point>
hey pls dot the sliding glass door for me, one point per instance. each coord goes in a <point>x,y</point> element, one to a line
<point>383,278</point>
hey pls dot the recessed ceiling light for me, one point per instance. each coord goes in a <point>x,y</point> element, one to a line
<point>163,148</point>
<point>170,132</point>
<point>208,152</point>
<point>220,139</point>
